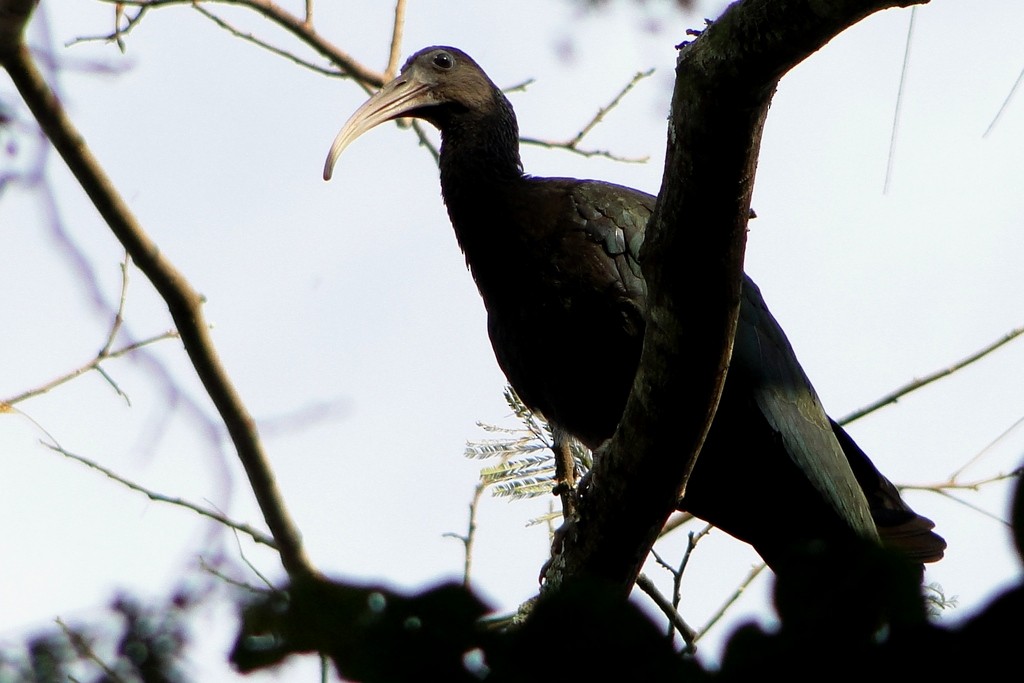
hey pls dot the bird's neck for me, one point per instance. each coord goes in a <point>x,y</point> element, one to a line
<point>479,162</point>
<point>481,175</point>
<point>479,152</point>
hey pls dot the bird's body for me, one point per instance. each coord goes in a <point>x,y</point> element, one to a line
<point>556,263</point>
<point>566,325</point>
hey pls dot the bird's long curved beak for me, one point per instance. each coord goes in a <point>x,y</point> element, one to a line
<point>396,98</point>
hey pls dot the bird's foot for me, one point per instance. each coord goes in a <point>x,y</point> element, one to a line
<point>558,538</point>
<point>565,472</point>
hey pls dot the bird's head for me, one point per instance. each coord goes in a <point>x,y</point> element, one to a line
<point>437,84</point>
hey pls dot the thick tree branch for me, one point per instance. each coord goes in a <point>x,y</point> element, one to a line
<point>693,263</point>
<point>183,302</point>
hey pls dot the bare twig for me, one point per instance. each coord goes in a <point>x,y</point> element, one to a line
<point>572,144</point>
<point>250,38</point>
<point>751,575</point>
<point>991,444</point>
<point>255,534</point>
<point>599,116</point>
<point>677,580</point>
<point>183,302</point>
<point>104,354</point>
<point>972,506</point>
<point>115,327</point>
<point>296,25</point>
<point>93,364</point>
<point>396,40</point>
<point>953,485</point>
<point>913,385</point>
<point>248,587</point>
<point>606,154</point>
<point>252,567</point>
<point>899,102</point>
<point>1005,104</point>
<point>118,13</point>
<point>519,87</point>
<point>119,32</point>
<point>468,539</point>
<point>667,608</point>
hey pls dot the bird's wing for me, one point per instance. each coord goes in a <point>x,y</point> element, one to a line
<point>764,358</point>
<point>616,217</point>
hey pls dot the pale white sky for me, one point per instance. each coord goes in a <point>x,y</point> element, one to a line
<point>354,294</point>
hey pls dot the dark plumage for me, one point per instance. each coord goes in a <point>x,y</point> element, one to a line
<point>555,260</point>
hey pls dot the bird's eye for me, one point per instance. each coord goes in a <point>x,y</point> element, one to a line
<point>443,60</point>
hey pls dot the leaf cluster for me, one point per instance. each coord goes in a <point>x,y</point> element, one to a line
<point>525,466</point>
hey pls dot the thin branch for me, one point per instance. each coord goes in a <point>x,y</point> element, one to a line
<point>572,144</point>
<point>93,364</point>
<point>972,506</point>
<point>599,116</point>
<point>677,573</point>
<point>255,534</point>
<point>753,574</point>
<point>113,384</point>
<point>118,13</point>
<point>915,384</point>
<point>470,537</point>
<point>115,327</point>
<point>248,587</point>
<point>676,620</point>
<point>606,154</point>
<point>293,24</point>
<point>396,40</point>
<point>250,38</point>
<point>899,103</point>
<point>991,444</point>
<point>252,567</point>
<point>519,87</point>
<point>104,354</point>
<point>184,303</point>
<point>1005,104</point>
<point>692,539</point>
<point>119,32</point>
<point>953,485</point>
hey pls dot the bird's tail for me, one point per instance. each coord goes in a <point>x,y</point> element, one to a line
<point>899,527</point>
